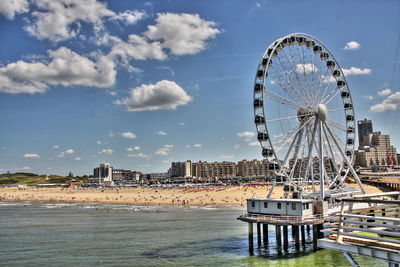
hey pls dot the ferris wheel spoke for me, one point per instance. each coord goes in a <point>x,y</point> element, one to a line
<point>330,96</point>
<point>292,91</point>
<point>282,100</point>
<point>282,142</point>
<point>321,88</point>
<point>290,117</point>
<point>295,73</point>
<point>301,55</point>
<point>338,125</point>
<point>337,109</point>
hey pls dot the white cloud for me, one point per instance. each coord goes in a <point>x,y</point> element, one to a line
<point>181,124</point>
<point>171,71</point>
<point>353,45</point>
<point>66,68</point>
<point>130,17</point>
<point>369,97</point>
<point>198,145</point>
<point>69,151</point>
<point>247,136</point>
<point>112,93</point>
<point>111,134</point>
<point>255,143</point>
<point>56,146</point>
<point>162,95</point>
<point>129,135</point>
<point>392,102</point>
<point>236,146</point>
<point>226,156</point>
<point>31,156</point>
<point>182,33</point>
<point>25,168</point>
<point>165,150</point>
<point>106,151</point>
<point>10,8</point>
<point>59,20</point>
<point>136,47</point>
<point>135,148</point>
<point>162,133</point>
<point>385,92</point>
<point>279,135</point>
<point>139,155</point>
<point>356,71</point>
<point>99,142</point>
<point>306,68</point>
<point>77,158</point>
<point>347,72</point>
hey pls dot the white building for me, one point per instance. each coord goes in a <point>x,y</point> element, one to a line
<point>102,175</point>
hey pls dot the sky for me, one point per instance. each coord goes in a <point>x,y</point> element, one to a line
<point>140,84</point>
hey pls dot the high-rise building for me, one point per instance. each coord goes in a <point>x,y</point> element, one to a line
<point>364,128</point>
<point>102,175</point>
<point>181,169</point>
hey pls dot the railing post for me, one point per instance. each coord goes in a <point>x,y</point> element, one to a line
<point>339,238</point>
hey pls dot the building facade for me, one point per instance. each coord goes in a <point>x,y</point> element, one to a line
<point>255,168</point>
<point>204,169</point>
<point>181,169</point>
<point>375,150</point>
<point>102,175</point>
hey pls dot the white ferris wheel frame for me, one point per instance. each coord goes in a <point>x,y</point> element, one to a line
<point>320,125</point>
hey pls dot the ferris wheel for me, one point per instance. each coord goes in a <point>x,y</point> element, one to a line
<point>304,114</point>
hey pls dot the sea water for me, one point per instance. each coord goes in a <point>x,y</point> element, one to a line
<point>48,234</point>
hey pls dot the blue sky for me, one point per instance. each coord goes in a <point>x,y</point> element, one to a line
<point>140,84</point>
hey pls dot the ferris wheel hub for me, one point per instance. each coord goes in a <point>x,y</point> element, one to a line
<point>322,112</point>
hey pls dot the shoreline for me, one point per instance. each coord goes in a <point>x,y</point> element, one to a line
<point>198,197</point>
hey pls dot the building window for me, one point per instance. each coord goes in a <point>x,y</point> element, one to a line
<point>293,206</point>
<point>266,205</point>
<point>279,205</point>
<point>253,204</point>
<point>307,206</point>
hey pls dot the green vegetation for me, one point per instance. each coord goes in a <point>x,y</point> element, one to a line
<point>376,235</point>
<point>35,179</point>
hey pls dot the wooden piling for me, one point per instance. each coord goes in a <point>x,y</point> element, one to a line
<point>259,234</point>
<point>303,235</point>
<point>278,236</point>
<point>265,234</point>
<point>315,237</point>
<point>251,246</point>
<point>295,229</point>
<point>285,237</point>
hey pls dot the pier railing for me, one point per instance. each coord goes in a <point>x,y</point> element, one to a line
<point>372,231</point>
<point>280,219</point>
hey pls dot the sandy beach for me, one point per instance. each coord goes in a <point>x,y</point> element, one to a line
<point>218,196</point>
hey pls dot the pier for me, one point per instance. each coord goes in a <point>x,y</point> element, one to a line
<point>298,225</point>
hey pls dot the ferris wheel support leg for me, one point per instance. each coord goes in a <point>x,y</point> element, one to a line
<point>346,159</point>
<point>272,189</point>
<point>310,148</point>
<point>321,164</point>
<point>333,158</point>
